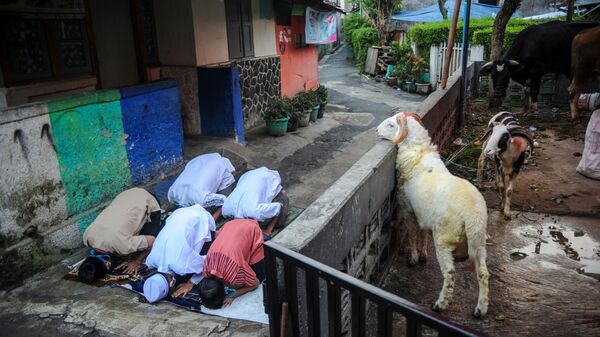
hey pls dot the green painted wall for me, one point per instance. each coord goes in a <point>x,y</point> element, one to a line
<point>90,145</point>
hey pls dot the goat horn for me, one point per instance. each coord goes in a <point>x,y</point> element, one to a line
<point>513,62</point>
<point>489,64</point>
<point>417,118</point>
<point>522,133</point>
<point>484,138</point>
<point>402,132</point>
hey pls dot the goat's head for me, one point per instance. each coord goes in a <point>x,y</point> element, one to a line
<point>501,72</point>
<point>498,141</point>
<point>396,127</point>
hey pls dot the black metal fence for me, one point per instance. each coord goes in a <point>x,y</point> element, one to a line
<point>336,281</point>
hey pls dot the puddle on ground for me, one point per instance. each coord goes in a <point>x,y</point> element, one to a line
<point>559,239</point>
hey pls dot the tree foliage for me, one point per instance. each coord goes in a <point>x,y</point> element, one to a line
<point>379,12</point>
<point>362,39</point>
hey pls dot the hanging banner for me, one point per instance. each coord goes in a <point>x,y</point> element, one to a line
<point>321,27</point>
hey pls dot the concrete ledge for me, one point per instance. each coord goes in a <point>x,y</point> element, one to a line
<point>329,227</point>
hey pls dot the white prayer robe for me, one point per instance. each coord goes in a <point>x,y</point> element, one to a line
<point>253,196</point>
<point>176,250</point>
<point>202,177</point>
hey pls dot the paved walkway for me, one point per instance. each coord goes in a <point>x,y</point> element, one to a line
<point>312,158</point>
<point>309,160</point>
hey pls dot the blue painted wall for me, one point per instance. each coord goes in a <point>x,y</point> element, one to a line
<point>220,102</point>
<point>152,123</point>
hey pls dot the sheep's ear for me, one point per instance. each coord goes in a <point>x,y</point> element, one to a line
<point>402,131</point>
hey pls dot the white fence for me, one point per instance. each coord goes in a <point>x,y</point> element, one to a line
<point>437,56</point>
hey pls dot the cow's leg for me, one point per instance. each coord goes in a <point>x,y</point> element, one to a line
<point>573,97</point>
<point>527,102</point>
<point>413,238</point>
<point>534,90</point>
<point>446,262</point>
<point>574,91</point>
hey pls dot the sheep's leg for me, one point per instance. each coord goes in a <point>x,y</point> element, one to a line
<point>480,165</point>
<point>507,195</point>
<point>446,262</point>
<point>482,277</point>
<point>424,254</point>
<point>413,236</point>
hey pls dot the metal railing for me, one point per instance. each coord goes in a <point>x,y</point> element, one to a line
<point>336,281</point>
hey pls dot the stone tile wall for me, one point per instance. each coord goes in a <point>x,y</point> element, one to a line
<point>260,81</point>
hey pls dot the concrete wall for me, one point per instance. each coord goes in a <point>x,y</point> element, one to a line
<point>194,32</point>
<point>65,158</point>
<point>263,25</point>
<point>299,66</point>
<point>36,92</point>
<point>115,45</point>
<point>175,33</point>
<point>441,109</point>
<point>187,77</point>
<point>210,32</point>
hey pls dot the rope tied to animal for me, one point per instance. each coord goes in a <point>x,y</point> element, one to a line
<point>455,154</point>
<point>448,161</point>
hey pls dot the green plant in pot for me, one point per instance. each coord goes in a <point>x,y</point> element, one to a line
<point>296,113</point>
<point>276,116</point>
<point>419,68</point>
<point>323,96</point>
<point>303,102</point>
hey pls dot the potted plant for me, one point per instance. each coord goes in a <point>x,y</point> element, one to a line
<point>323,95</point>
<point>419,67</point>
<point>295,113</point>
<point>276,116</point>
<point>302,102</point>
<point>315,104</point>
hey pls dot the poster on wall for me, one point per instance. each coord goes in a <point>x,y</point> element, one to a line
<point>321,27</point>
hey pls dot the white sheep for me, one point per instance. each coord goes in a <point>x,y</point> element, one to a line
<point>433,199</point>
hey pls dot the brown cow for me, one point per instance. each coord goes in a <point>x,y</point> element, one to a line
<point>585,64</point>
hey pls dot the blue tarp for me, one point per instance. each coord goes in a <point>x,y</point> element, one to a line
<point>432,13</point>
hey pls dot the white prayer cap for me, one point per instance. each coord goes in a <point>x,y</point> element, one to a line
<point>156,288</point>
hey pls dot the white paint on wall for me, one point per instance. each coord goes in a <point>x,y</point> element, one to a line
<point>210,32</point>
<point>175,33</point>
<point>263,31</point>
<point>33,193</point>
<point>115,45</point>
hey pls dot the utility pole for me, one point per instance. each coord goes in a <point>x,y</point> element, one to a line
<point>450,44</point>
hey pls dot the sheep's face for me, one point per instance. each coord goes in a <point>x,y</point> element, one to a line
<point>498,141</point>
<point>388,128</point>
<point>396,128</point>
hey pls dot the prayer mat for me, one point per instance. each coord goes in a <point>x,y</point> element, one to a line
<point>248,307</point>
<point>108,279</point>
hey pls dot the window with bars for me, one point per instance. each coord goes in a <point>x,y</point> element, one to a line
<point>45,45</point>
<point>239,28</point>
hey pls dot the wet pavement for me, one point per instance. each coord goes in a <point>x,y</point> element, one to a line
<point>542,293</point>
